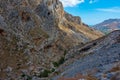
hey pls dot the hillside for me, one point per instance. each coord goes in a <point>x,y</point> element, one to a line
<point>108,25</point>
<point>36,33</point>
<point>96,60</point>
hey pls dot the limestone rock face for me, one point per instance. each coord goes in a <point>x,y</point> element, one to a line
<point>51,13</point>
<point>71,18</point>
<point>34,34</point>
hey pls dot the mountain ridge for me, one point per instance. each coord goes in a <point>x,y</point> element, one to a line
<point>108,25</point>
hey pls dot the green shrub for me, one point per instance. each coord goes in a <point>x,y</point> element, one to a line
<point>27,76</point>
<point>65,52</point>
<point>55,64</point>
<point>23,75</point>
<point>45,73</point>
<point>61,61</point>
<point>52,70</point>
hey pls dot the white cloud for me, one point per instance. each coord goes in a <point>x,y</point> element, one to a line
<point>71,3</point>
<point>92,1</point>
<point>113,9</point>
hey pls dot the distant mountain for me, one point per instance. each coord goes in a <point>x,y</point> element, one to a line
<point>108,25</point>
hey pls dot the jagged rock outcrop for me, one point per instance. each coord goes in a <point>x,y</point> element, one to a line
<point>34,34</point>
<point>71,18</point>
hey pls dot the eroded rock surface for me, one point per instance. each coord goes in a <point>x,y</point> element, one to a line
<point>36,33</point>
<point>99,59</point>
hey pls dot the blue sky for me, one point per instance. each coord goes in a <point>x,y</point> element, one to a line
<point>93,11</point>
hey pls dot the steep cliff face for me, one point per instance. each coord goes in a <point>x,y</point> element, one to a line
<point>71,18</point>
<point>34,34</point>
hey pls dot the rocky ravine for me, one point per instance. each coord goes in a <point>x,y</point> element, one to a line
<point>97,60</point>
<point>36,33</point>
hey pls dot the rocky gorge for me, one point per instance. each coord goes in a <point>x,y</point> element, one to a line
<point>38,38</point>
